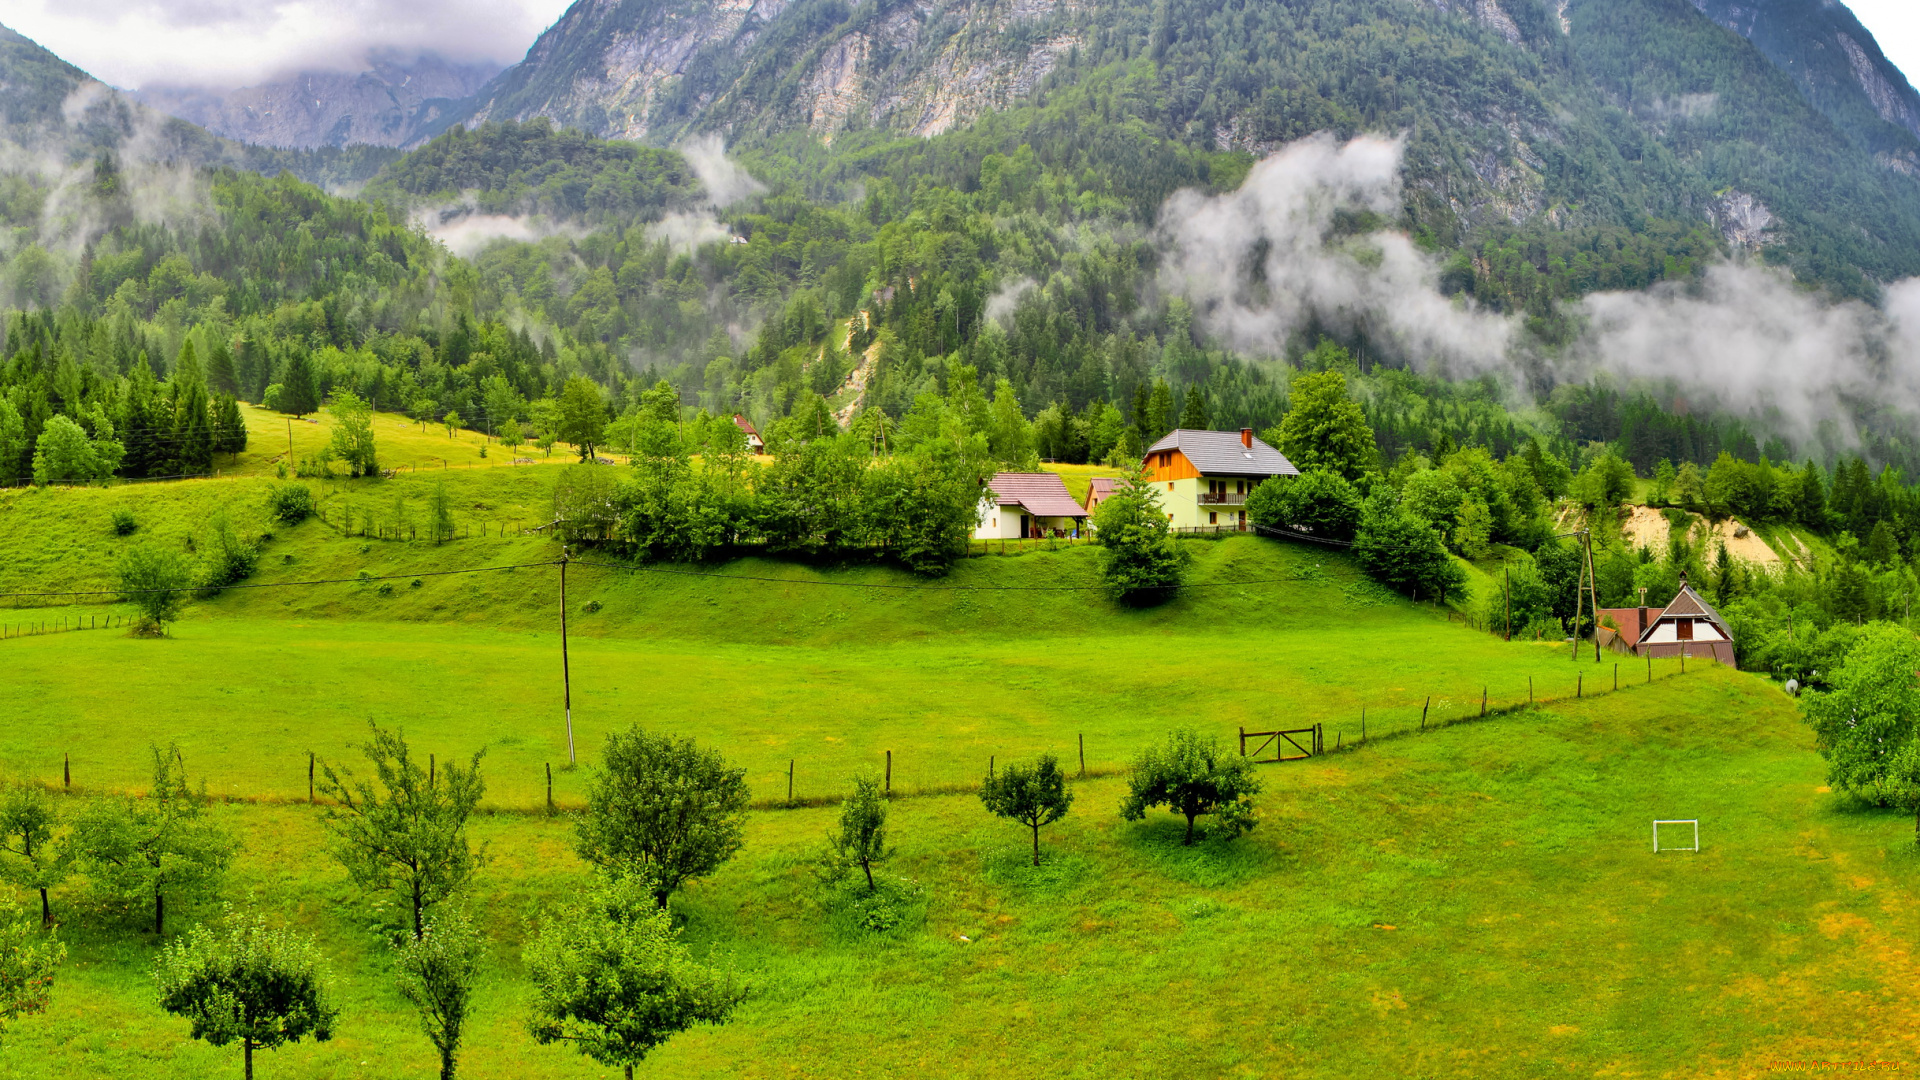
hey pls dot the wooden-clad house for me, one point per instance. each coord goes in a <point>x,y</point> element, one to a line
<point>755,444</point>
<point>1205,477</point>
<point>1099,490</point>
<point>1689,626</point>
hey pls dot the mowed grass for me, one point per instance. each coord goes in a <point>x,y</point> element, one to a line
<point>1478,901</point>
<point>403,444</point>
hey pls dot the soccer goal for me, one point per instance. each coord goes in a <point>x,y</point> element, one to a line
<point>1695,846</point>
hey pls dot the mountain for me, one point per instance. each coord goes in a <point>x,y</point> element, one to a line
<point>390,104</point>
<point>1838,67</point>
<point>1529,115</point>
<point>54,109</point>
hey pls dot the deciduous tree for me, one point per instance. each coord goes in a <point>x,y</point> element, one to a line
<point>246,982</point>
<point>404,832</point>
<point>137,851</point>
<point>154,579</point>
<point>29,954</point>
<point>1033,795</point>
<point>1193,777</point>
<point>661,807</point>
<point>1326,429</point>
<point>31,856</point>
<point>611,977</point>
<point>861,839</point>
<point>436,973</point>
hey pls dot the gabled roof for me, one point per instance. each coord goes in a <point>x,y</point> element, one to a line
<point>1688,603</point>
<point>1220,453</point>
<point>1102,487</point>
<point>1039,494</point>
<point>745,425</point>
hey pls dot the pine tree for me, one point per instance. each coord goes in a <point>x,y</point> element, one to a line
<point>299,388</point>
<point>1196,416</point>
<point>222,378</point>
<point>140,420</point>
<point>1159,412</point>
<point>192,430</point>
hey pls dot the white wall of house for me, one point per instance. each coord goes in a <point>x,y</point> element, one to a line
<point>1665,633</point>
<point>1182,500</point>
<point>998,522</point>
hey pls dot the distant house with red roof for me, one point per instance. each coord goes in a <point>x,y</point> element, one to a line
<point>1687,627</point>
<point>1021,505</point>
<point>755,443</point>
<point>1099,490</point>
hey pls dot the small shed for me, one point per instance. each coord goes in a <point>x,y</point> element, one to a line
<point>1689,626</point>
<point>1099,490</point>
<point>1028,505</point>
<point>755,444</point>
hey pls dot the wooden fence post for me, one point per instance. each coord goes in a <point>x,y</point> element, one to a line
<point>889,772</point>
<point>66,772</point>
<point>1083,756</point>
<point>1578,686</point>
<point>430,770</point>
<point>790,782</point>
<point>1423,712</point>
<point>989,766</point>
<point>309,778</point>
<point>549,787</point>
<point>1616,676</point>
<point>1483,702</point>
<point>1363,723</point>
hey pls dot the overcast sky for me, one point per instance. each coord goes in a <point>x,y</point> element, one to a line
<point>225,43</point>
<point>133,43</point>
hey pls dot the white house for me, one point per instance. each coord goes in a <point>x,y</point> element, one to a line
<point>755,444</point>
<point>1020,505</point>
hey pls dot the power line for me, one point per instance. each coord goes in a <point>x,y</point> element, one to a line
<point>917,588</point>
<point>278,584</point>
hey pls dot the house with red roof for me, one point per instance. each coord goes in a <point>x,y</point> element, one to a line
<point>1099,490</point>
<point>1023,505</point>
<point>755,444</point>
<point>1687,627</point>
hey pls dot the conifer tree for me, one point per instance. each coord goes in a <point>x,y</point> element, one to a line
<point>221,376</point>
<point>299,388</point>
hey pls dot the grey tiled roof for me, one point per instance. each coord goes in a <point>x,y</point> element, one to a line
<point>1220,453</point>
<point>1688,602</point>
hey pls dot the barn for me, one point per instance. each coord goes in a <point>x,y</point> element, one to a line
<point>1689,626</point>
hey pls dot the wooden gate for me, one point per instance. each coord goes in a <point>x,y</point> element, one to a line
<point>1283,745</point>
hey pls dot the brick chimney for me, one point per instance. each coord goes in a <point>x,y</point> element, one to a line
<point>1246,437</point>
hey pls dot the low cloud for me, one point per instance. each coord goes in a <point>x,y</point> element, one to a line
<point>466,231</point>
<point>688,230</point>
<point>726,182</point>
<point>1268,264</point>
<point>1263,263</point>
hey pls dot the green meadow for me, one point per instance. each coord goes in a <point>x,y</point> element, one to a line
<point>1475,899</point>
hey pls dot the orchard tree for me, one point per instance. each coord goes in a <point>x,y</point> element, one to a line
<point>137,851</point>
<point>611,977</point>
<point>436,973</point>
<point>862,837</point>
<point>28,957</point>
<point>155,580</point>
<point>260,986</point>
<point>1033,795</point>
<point>404,832</point>
<point>1324,428</point>
<point>1138,560</point>
<point>1193,777</point>
<point>663,808</point>
<point>30,856</point>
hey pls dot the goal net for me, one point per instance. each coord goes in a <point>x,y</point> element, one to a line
<point>1678,837</point>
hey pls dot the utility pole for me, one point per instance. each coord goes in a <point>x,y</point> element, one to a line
<point>289,438</point>
<point>566,674</point>
<point>1593,594</point>
<point>1507,594</point>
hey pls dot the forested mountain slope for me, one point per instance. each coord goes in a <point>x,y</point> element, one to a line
<point>1521,114</point>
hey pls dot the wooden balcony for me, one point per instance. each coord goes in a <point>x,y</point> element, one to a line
<point>1225,498</point>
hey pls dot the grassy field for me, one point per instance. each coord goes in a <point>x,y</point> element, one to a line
<point>1473,900</point>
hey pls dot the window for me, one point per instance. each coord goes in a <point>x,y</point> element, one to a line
<point>1169,485</point>
<point>1213,519</point>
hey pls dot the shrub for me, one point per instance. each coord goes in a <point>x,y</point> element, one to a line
<point>230,560</point>
<point>155,580</point>
<point>290,503</point>
<point>124,523</point>
<point>1319,503</point>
